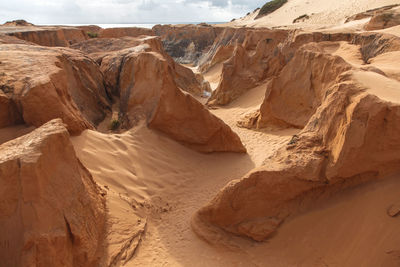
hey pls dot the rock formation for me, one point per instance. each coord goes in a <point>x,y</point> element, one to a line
<point>51,211</point>
<point>148,84</point>
<point>301,86</point>
<point>187,43</point>
<point>123,32</point>
<point>18,22</point>
<point>50,36</point>
<point>38,84</point>
<point>383,20</point>
<point>250,63</point>
<point>349,115</point>
<point>370,13</point>
<point>319,109</point>
<point>111,54</point>
<point>155,95</point>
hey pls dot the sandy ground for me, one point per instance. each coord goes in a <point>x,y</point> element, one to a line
<point>213,75</point>
<point>323,13</point>
<point>171,182</point>
<point>155,185</point>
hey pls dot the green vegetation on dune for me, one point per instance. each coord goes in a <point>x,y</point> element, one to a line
<point>270,7</point>
<point>92,34</point>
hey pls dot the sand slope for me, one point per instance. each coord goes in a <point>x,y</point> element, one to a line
<point>323,13</point>
<point>167,182</point>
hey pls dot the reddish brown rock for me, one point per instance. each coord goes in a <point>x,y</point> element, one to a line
<point>148,88</point>
<point>251,63</point>
<point>9,114</point>
<point>301,87</point>
<point>349,137</point>
<point>111,54</point>
<point>370,13</point>
<point>47,83</point>
<point>49,36</point>
<point>51,211</point>
<point>126,31</point>
<point>18,22</point>
<point>383,20</point>
<point>187,43</point>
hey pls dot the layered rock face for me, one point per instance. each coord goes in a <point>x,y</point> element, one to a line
<point>51,211</point>
<point>67,36</point>
<point>371,13</point>
<point>38,84</point>
<point>50,36</point>
<point>250,57</point>
<point>149,84</point>
<point>111,54</point>
<point>350,115</point>
<point>187,43</point>
<point>251,62</point>
<point>384,19</point>
<point>123,32</point>
<point>148,87</point>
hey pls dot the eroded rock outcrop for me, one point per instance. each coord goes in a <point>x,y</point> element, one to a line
<point>250,63</point>
<point>257,55</point>
<point>123,32</point>
<point>50,36</point>
<point>111,54</point>
<point>351,116</point>
<point>51,211</point>
<point>18,22</point>
<point>148,84</point>
<point>187,43</point>
<point>384,19</point>
<point>38,84</point>
<point>370,13</point>
<point>301,87</point>
<point>148,88</point>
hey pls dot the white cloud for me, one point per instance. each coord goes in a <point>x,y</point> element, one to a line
<point>125,11</point>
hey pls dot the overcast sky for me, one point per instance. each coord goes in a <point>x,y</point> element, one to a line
<point>125,11</point>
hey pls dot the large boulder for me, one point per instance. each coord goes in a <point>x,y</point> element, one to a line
<point>51,211</point>
<point>148,88</point>
<point>40,84</point>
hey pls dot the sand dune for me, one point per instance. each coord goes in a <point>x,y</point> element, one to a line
<point>323,13</point>
<point>314,107</point>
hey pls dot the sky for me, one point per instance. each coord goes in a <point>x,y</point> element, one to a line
<point>125,11</point>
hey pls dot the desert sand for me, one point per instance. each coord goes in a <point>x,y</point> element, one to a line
<point>260,142</point>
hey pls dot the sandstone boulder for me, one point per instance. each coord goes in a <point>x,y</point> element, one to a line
<point>40,84</point>
<point>148,87</point>
<point>51,211</point>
